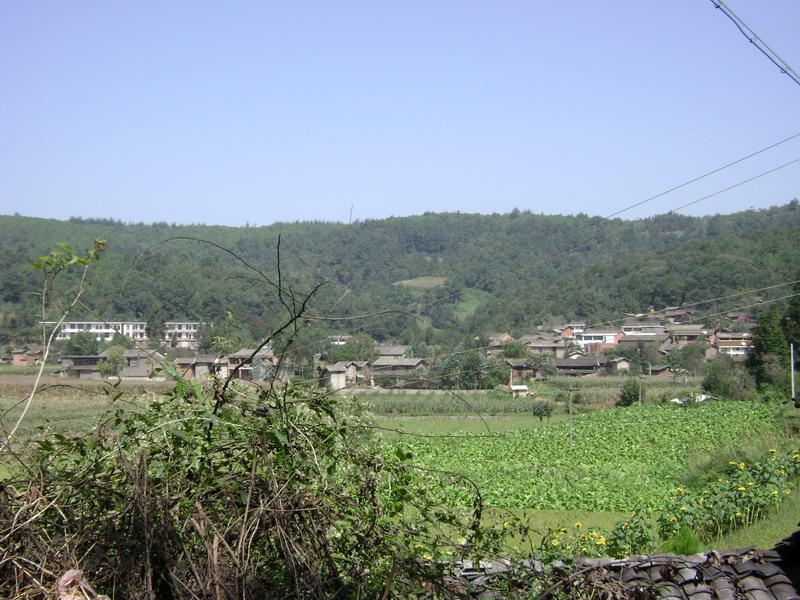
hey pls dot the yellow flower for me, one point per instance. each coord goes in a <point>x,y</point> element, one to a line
<point>732,462</point>
<point>684,509</point>
<point>741,488</point>
<point>750,484</point>
<point>427,556</point>
<point>578,525</point>
<point>742,466</point>
<point>773,451</point>
<point>601,541</point>
<point>554,543</point>
<point>680,491</point>
<point>773,493</point>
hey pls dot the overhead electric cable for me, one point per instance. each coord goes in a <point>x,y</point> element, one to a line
<point>735,185</point>
<point>704,175</point>
<point>735,308</point>
<point>753,38</point>
<point>708,301</point>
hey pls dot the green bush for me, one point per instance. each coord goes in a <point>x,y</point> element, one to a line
<point>629,394</point>
<point>684,542</point>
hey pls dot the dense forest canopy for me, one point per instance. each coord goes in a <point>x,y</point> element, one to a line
<point>480,273</point>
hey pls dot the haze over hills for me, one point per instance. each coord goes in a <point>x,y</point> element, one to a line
<point>455,273</point>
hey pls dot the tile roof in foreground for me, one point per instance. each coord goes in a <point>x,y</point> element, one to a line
<point>748,574</point>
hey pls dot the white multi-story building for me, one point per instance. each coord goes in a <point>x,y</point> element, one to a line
<point>184,332</point>
<point>102,330</point>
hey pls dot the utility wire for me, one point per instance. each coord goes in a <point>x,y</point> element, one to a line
<point>709,301</point>
<point>735,185</point>
<point>753,38</point>
<point>704,175</point>
<point>735,308</point>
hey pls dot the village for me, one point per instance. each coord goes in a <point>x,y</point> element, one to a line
<point>640,345</point>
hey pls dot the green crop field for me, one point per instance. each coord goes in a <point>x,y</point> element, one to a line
<point>620,459</point>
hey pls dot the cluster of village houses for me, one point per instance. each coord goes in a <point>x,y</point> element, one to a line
<point>572,349</point>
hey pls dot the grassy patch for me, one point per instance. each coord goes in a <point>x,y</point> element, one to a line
<point>470,301</point>
<point>423,283</point>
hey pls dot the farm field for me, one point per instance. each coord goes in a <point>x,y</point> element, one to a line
<point>621,459</point>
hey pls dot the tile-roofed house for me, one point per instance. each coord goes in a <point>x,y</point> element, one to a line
<point>496,342</point>
<point>27,356</point>
<point>748,574</point>
<point>395,370</point>
<point>138,358</point>
<point>240,363</point>
<point>334,376</point>
<point>734,344</point>
<point>593,340</point>
<point>391,349</point>
<point>197,367</point>
<point>632,327</point>
<point>684,334</point>
<point>342,374</point>
<point>545,344</point>
<point>580,365</point>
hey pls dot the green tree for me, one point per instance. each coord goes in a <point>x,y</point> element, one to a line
<point>223,337</point>
<point>629,394</point>
<point>155,327</point>
<point>725,378</point>
<point>541,363</point>
<point>114,362</point>
<point>542,409</point>
<point>121,340</point>
<point>82,343</point>
<point>515,349</point>
<point>791,319</point>
<point>769,347</point>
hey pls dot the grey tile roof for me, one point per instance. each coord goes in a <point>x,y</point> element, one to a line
<point>397,361</point>
<point>747,574</point>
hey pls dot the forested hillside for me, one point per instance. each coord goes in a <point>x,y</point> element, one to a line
<point>485,272</point>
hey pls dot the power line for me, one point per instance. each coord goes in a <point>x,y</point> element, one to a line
<point>735,185</point>
<point>709,301</point>
<point>760,303</point>
<point>754,39</point>
<point>704,175</point>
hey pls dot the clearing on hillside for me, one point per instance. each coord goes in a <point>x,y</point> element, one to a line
<point>423,283</point>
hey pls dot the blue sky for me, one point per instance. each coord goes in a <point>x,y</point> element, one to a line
<point>235,112</point>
